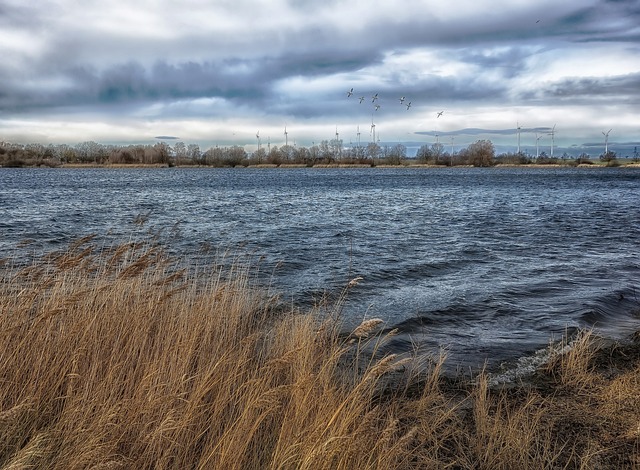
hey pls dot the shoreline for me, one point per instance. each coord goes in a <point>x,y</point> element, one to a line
<point>321,166</point>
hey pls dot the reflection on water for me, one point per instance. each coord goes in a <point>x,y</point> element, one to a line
<point>488,262</point>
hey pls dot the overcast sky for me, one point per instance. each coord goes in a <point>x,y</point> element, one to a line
<point>220,71</point>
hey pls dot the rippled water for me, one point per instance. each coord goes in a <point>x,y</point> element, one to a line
<point>490,263</point>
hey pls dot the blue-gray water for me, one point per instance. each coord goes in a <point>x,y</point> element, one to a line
<point>491,263</point>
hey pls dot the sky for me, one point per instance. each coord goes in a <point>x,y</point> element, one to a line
<point>222,72</point>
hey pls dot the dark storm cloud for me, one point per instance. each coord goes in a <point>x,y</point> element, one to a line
<point>608,20</point>
<point>307,52</point>
<point>239,80</point>
<point>17,15</point>
<point>627,86</point>
<point>296,59</point>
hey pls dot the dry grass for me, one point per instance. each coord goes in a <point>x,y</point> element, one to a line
<point>116,359</point>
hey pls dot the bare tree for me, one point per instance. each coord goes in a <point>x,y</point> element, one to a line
<point>180,152</point>
<point>481,153</point>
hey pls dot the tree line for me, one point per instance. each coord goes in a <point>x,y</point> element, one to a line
<point>480,154</point>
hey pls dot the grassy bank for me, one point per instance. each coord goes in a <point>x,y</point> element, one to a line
<point>115,358</point>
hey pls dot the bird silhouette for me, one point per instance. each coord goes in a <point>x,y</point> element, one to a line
<point>439,114</point>
<point>408,105</point>
<point>402,100</point>
<point>349,93</point>
<point>374,97</point>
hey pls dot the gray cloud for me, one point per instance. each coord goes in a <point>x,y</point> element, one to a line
<point>626,87</point>
<point>297,59</point>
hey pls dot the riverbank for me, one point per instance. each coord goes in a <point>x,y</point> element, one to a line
<point>120,358</point>
<point>409,165</point>
<point>357,165</point>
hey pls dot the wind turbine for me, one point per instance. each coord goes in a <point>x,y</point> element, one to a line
<point>518,128</point>
<point>358,134</point>
<point>451,156</point>
<point>258,139</point>
<point>606,142</point>
<point>373,130</point>
<point>537,146</point>
<point>286,136</point>
<point>553,138</point>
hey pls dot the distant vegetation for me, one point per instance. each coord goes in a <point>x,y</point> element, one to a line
<point>480,154</point>
<point>118,358</point>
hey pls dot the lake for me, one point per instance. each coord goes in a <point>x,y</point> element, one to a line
<point>489,263</point>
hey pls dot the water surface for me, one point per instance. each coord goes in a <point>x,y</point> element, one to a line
<point>490,263</point>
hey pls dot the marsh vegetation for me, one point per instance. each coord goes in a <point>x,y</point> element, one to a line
<point>119,357</point>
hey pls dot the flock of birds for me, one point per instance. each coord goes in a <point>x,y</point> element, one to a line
<point>374,100</point>
<point>376,106</point>
<point>361,99</point>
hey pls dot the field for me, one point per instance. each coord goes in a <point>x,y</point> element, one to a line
<point>121,358</point>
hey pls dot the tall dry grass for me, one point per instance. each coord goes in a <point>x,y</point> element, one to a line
<point>116,358</point>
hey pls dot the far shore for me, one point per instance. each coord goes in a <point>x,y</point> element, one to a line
<point>329,165</point>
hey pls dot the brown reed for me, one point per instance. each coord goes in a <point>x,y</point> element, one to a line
<point>123,359</point>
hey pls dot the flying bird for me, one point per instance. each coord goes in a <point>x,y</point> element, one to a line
<point>377,107</point>
<point>361,99</point>
<point>349,93</point>
<point>374,97</point>
<point>408,105</point>
<point>402,100</point>
<point>440,113</point>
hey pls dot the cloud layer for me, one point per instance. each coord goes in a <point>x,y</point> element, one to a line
<point>115,71</point>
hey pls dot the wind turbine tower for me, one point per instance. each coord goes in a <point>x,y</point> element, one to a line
<point>553,138</point>
<point>538,145</point>
<point>518,128</point>
<point>286,136</point>
<point>606,141</point>
<point>258,139</point>
<point>373,131</point>
<point>451,156</point>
